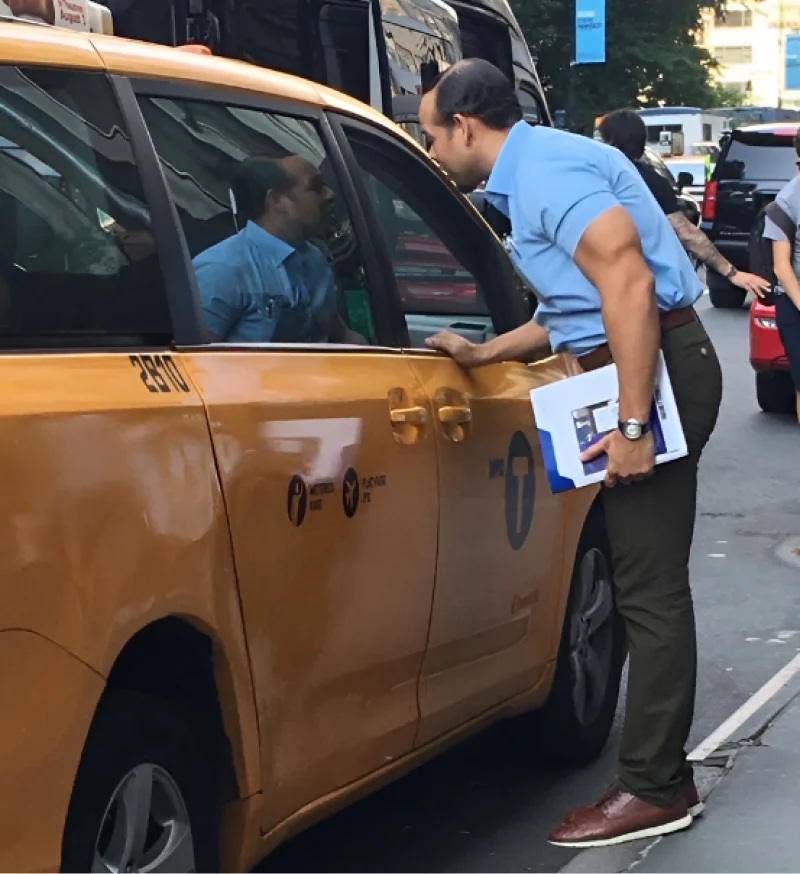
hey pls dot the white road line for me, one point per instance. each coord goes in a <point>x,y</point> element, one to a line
<point>769,690</point>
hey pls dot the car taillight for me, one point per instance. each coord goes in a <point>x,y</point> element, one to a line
<point>710,202</point>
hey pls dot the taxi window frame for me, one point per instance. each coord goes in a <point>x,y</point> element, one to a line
<point>383,321</point>
<point>172,280</point>
<point>183,298</point>
<point>506,315</point>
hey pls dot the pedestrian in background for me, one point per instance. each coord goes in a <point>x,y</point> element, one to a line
<point>786,263</point>
<point>625,130</point>
<point>613,284</point>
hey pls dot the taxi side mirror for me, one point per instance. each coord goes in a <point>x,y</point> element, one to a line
<point>685,179</point>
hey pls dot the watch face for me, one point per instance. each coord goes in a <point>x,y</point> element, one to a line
<point>632,430</point>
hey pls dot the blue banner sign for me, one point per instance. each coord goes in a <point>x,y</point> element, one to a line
<point>792,55</point>
<point>590,31</point>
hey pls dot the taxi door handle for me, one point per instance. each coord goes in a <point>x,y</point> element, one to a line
<point>455,415</point>
<point>409,416</point>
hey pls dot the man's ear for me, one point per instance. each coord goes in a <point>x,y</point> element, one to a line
<point>462,125</point>
<point>272,200</point>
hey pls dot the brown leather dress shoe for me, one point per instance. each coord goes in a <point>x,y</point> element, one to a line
<point>619,817</point>
<point>695,806</point>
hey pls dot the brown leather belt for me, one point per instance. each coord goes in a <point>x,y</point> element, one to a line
<point>670,320</point>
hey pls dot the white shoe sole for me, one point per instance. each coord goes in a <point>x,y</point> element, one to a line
<point>698,810</point>
<point>666,829</point>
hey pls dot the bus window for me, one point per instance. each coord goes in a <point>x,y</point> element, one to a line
<point>408,49</point>
<point>344,34</point>
<point>483,36</point>
<point>530,106</point>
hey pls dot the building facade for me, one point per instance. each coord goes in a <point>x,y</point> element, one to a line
<point>749,42</point>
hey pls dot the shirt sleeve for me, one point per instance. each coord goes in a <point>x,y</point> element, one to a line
<point>561,209</point>
<point>787,201</point>
<point>221,295</point>
<point>773,232</point>
<point>568,221</point>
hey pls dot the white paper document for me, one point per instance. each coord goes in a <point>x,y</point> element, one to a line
<point>575,413</point>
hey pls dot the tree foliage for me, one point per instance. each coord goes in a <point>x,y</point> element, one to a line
<point>652,56</point>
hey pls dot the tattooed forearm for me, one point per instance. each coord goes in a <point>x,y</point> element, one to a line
<point>696,242</point>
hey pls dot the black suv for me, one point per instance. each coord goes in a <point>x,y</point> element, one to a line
<point>753,166</point>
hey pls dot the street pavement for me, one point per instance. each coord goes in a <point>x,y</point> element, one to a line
<point>751,824</point>
<point>487,805</point>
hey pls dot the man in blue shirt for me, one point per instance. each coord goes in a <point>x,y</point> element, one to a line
<point>613,283</point>
<point>269,283</point>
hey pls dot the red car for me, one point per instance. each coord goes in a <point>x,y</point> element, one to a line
<point>774,386</point>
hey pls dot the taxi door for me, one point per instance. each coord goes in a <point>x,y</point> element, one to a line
<point>326,456</point>
<point>328,467</point>
<point>500,529</point>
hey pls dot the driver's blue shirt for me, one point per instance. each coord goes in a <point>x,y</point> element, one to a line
<point>552,185</point>
<point>255,288</point>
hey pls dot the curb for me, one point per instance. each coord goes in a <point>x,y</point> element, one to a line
<point>708,774</point>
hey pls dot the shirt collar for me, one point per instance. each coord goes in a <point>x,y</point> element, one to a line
<point>276,250</point>
<point>501,179</point>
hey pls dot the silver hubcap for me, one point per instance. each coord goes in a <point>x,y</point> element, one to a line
<point>146,826</point>
<point>591,642</point>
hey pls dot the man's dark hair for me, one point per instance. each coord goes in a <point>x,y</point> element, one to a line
<point>797,143</point>
<point>255,177</point>
<point>476,88</point>
<point>625,130</point>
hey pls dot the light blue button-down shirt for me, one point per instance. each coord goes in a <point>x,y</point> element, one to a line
<point>257,289</point>
<point>551,185</point>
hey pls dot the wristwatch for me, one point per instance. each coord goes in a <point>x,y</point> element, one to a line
<point>731,273</point>
<point>633,429</point>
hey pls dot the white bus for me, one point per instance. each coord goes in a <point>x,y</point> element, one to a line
<point>683,130</point>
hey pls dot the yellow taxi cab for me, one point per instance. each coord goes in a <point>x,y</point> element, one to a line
<point>249,574</point>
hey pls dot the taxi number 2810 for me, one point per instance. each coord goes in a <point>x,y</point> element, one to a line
<point>159,373</point>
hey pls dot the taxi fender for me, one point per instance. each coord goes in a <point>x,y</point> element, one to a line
<point>48,698</point>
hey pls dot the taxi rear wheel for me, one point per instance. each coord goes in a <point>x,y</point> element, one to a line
<point>141,800</point>
<point>574,725</point>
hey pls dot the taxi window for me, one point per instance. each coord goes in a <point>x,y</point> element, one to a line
<point>272,245</point>
<point>78,260</point>
<point>419,221</point>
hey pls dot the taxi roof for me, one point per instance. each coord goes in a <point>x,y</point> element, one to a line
<point>30,44</point>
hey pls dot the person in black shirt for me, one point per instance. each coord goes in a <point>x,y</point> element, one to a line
<point>660,188</point>
<point>625,130</point>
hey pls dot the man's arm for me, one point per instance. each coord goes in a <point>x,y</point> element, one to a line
<point>695,241</point>
<point>609,254</point>
<point>784,271</point>
<point>220,296</point>
<point>527,343</point>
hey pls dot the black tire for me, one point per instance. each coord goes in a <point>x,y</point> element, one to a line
<point>723,295</point>
<point>775,391</point>
<point>566,737</point>
<point>130,731</point>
